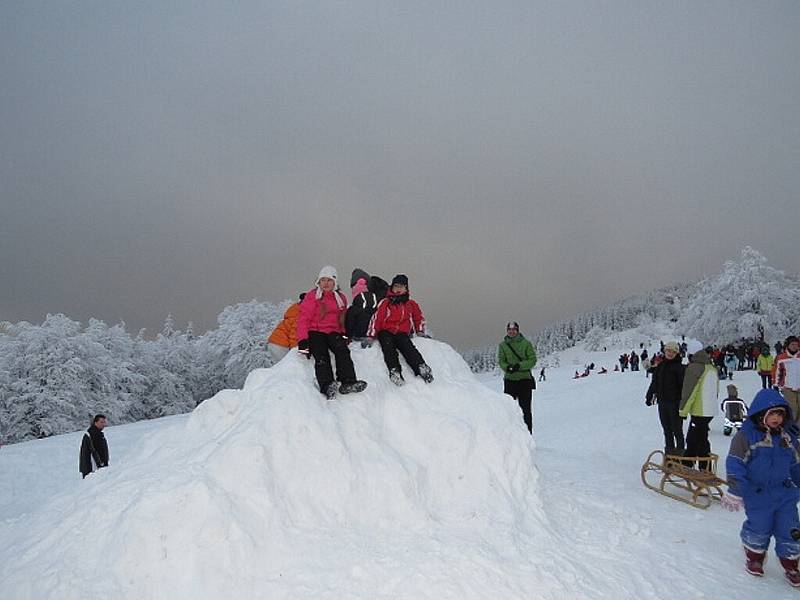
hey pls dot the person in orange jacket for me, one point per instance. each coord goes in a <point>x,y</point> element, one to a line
<point>284,337</point>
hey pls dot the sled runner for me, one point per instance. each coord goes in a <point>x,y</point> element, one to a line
<point>667,475</point>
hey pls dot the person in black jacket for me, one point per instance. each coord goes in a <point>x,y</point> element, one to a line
<point>360,312</point>
<point>94,446</point>
<point>665,388</point>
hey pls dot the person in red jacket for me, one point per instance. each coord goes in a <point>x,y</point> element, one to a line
<point>320,331</point>
<point>396,318</point>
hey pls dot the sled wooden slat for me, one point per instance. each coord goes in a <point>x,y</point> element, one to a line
<point>667,475</point>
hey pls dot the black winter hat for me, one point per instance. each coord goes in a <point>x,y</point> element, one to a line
<point>401,279</point>
<point>512,325</point>
<point>790,339</point>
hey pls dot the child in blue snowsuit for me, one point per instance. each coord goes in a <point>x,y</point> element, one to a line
<point>763,467</point>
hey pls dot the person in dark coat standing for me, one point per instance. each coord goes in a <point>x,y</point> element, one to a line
<point>94,446</point>
<point>665,388</point>
<point>516,358</point>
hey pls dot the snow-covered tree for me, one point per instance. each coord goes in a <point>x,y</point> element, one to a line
<point>749,299</point>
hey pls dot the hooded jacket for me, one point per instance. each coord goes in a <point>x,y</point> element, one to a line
<point>762,464</point>
<point>700,388</point>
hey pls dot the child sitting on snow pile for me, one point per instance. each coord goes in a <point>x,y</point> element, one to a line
<point>395,320</point>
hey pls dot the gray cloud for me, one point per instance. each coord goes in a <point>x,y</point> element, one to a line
<point>526,160</point>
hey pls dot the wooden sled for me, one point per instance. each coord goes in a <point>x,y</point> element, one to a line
<point>667,475</point>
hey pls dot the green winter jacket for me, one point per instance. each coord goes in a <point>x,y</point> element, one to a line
<point>524,349</point>
<point>700,387</point>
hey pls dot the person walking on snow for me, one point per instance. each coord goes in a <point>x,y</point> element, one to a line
<point>731,362</point>
<point>787,374</point>
<point>765,363</point>
<point>699,399</point>
<point>320,331</point>
<point>94,446</point>
<point>763,468</point>
<point>284,337</point>
<point>665,389</point>
<point>516,358</point>
<point>395,320</point>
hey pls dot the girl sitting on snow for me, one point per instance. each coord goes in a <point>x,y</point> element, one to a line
<point>763,467</point>
<point>395,319</point>
<point>320,330</point>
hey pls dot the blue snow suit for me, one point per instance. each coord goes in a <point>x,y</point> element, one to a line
<point>763,468</point>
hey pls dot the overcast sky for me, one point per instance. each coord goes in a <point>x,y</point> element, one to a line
<point>522,160</point>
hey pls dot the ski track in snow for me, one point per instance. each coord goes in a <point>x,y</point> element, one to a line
<point>590,529</point>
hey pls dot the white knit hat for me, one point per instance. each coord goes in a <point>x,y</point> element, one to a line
<point>329,272</point>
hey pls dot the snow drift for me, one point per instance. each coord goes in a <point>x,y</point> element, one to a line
<point>424,491</point>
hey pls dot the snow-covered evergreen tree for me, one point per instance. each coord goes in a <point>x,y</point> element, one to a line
<point>749,299</point>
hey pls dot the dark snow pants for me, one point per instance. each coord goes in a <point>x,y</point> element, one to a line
<point>391,343</point>
<point>521,391</point>
<point>697,443</point>
<point>672,425</point>
<point>320,346</point>
<point>766,380</point>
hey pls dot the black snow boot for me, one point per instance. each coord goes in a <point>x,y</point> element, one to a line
<point>396,377</point>
<point>351,387</point>
<point>426,373</point>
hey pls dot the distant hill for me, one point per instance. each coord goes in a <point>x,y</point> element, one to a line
<point>747,299</point>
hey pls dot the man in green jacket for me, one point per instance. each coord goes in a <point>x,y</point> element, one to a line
<point>516,358</point>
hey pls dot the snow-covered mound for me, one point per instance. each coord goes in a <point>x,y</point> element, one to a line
<point>424,491</point>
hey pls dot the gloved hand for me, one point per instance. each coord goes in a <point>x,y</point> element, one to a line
<point>731,502</point>
<point>422,335</point>
<point>367,342</point>
<point>302,348</point>
<point>512,368</point>
<point>650,401</point>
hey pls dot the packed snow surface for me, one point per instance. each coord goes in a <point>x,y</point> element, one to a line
<point>424,491</point>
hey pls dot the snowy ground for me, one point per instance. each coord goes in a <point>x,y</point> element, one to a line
<point>418,492</point>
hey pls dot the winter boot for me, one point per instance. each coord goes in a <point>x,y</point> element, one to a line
<point>351,387</point>
<point>792,574</point>
<point>332,389</point>
<point>754,563</point>
<point>426,373</point>
<point>396,377</point>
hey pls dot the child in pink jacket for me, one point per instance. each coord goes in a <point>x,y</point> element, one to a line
<point>320,331</point>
